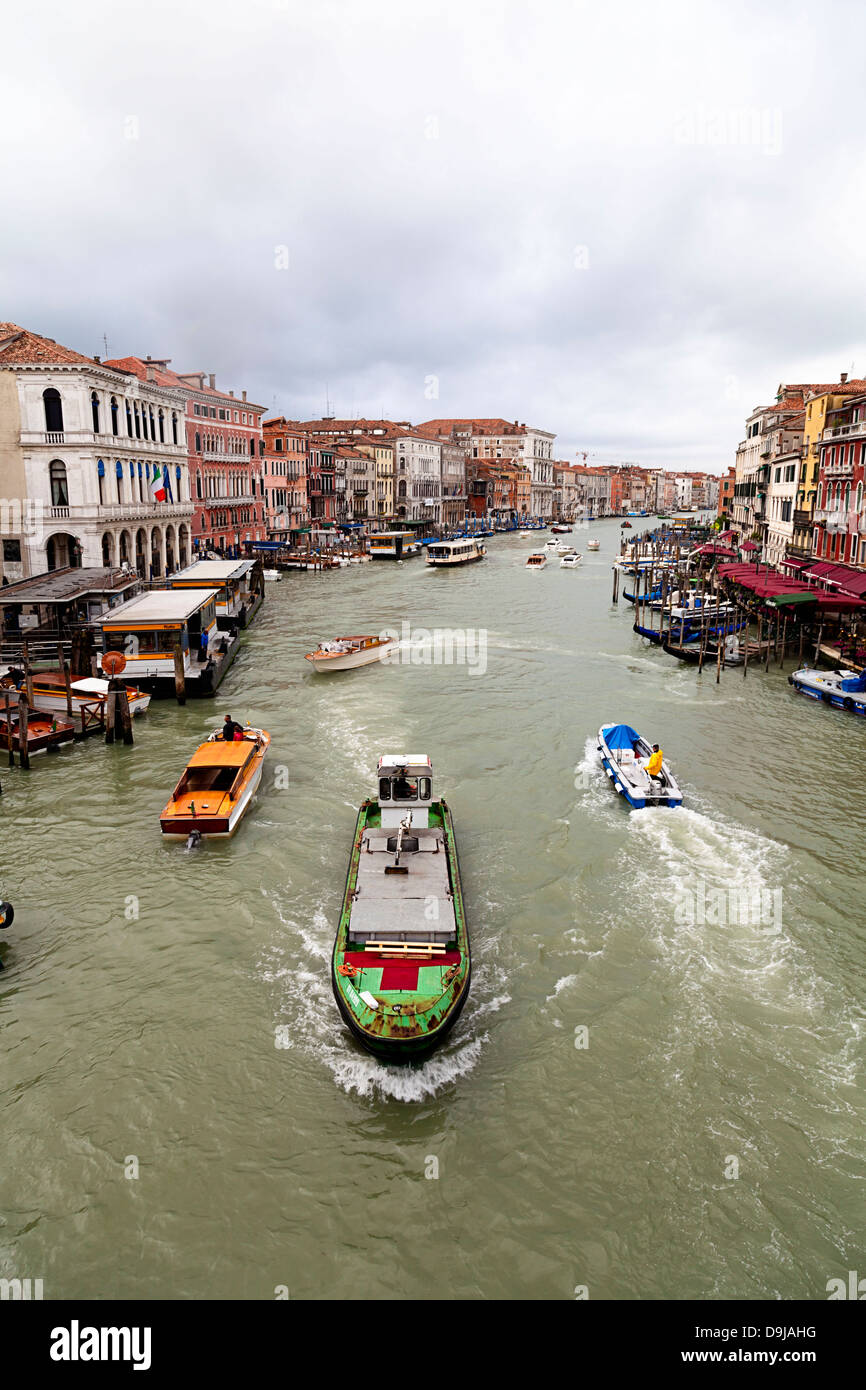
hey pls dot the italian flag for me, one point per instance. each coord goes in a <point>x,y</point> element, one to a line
<point>157,487</point>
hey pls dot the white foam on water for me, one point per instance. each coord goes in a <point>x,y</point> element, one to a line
<point>562,984</point>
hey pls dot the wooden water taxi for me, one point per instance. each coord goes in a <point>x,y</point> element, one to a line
<point>345,653</point>
<point>447,554</point>
<point>43,731</point>
<point>49,691</point>
<point>400,971</point>
<point>536,562</point>
<point>217,786</point>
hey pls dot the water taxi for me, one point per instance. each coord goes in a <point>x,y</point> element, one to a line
<point>43,731</point>
<point>392,545</point>
<point>844,689</point>
<point>400,971</point>
<point>571,561</point>
<point>272,576</point>
<point>624,756</point>
<point>459,552</point>
<point>536,562</point>
<point>560,529</point>
<point>345,653</point>
<point>217,786</point>
<point>49,691</point>
<point>625,526</point>
<point>593,545</point>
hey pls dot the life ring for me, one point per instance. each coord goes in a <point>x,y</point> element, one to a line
<point>7,915</point>
<point>350,971</point>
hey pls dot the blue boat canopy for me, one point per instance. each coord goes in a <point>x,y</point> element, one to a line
<point>620,736</point>
<point>855,683</point>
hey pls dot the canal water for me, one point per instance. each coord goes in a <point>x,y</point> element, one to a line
<point>653,1091</point>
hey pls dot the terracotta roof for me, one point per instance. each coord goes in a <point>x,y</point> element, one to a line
<point>477,426</point>
<point>20,347</point>
<point>162,375</point>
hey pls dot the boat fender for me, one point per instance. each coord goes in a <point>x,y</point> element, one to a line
<point>790,680</point>
<point>349,971</point>
<point>7,915</point>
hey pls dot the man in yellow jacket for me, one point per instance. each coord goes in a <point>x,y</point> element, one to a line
<point>654,763</point>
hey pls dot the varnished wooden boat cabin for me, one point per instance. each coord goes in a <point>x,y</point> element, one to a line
<point>220,781</point>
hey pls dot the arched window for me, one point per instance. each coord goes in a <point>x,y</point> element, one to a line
<point>197,442</point>
<point>53,411</point>
<point>152,423</point>
<point>59,489</point>
<point>115,427</point>
<point>847,502</point>
<point>128,419</point>
<point>94,410</point>
<point>144,420</point>
<point>859,497</point>
<point>137,420</point>
<point>161,426</point>
<point>174,427</point>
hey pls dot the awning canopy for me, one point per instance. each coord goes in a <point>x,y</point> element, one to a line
<point>620,736</point>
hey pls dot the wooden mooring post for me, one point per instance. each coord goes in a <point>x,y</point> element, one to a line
<point>179,674</point>
<point>23,723</point>
<point>7,702</point>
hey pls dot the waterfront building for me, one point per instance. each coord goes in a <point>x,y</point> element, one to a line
<point>321,483</point>
<point>840,516</point>
<point>225,449</point>
<point>381,451</point>
<point>784,454</point>
<point>285,479</point>
<point>726,493</point>
<point>93,463</point>
<point>594,490</point>
<point>418,477</point>
<point>493,438</point>
<point>567,492</point>
<point>359,468</point>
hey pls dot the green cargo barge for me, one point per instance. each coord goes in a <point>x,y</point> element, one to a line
<point>401,964</point>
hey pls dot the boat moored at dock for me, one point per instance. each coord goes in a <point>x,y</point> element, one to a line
<point>447,554</point>
<point>49,691</point>
<point>400,971</point>
<point>44,731</point>
<point>625,757</point>
<point>843,688</point>
<point>218,784</point>
<point>345,653</point>
<point>236,586</point>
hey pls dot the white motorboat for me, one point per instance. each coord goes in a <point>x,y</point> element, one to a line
<point>624,757</point>
<point>593,545</point>
<point>446,554</point>
<point>274,576</point>
<point>551,545</point>
<point>536,562</point>
<point>570,561</point>
<point>562,549</point>
<point>843,688</point>
<point>49,691</point>
<point>345,653</point>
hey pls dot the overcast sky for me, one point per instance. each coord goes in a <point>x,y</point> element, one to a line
<point>626,224</point>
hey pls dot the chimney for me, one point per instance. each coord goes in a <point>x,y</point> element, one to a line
<point>148,357</point>
<point>243,395</point>
<point>98,359</point>
<point>843,378</point>
<point>149,371</point>
<point>212,380</point>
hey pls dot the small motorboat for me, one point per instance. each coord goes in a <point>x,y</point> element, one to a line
<point>536,562</point>
<point>399,971</point>
<point>562,549</point>
<point>49,691</point>
<point>273,576</point>
<point>561,530</point>
<point>345,653</point>
<point>625,526</point>
<point>593,545</point>
<point>570,561</point>
<point>524,535</point>
<point>843,688</point>
<point>624,756</point>
<point>43,730</point>
<point>551,545</point>
<point>217,786</point>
